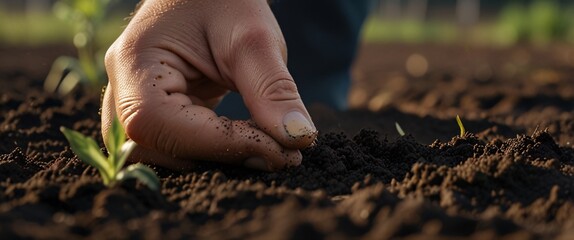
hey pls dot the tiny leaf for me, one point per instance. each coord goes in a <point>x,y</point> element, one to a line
<point>126,150</point>
<point>89,152</point>
<point>142,173</point>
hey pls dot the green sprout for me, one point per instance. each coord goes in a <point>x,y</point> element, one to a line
<point>119,149</point>
<point>399,129</point>
<point>67,72</point>
<point>462,130</point>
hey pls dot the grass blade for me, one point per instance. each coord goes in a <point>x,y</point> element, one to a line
<point>399,129</point>
<point>462,130</point>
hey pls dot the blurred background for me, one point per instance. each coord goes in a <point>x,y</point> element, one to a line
<point>36,22</point>
<point>62,42</point>
<point>41,22</point>
<point>509,61</point>
<point>475,21</point>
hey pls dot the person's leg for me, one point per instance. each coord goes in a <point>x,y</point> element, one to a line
<point>322,38</point>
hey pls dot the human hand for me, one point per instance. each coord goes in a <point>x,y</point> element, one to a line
<point>176,60</point>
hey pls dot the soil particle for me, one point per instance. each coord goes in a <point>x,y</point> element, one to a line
<point>510,177</point>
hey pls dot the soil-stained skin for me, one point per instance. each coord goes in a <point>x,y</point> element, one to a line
<point>511,177</point>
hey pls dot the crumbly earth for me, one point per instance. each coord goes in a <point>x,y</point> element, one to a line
<point>510,177</point>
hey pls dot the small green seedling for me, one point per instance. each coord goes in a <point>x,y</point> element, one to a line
<point>119,149</point>
<point>399,129</point>
<point>462,130</point>
<point>67,72</point>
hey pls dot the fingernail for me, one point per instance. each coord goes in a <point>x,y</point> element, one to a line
<point>297,125</point>
<point>256,163</point>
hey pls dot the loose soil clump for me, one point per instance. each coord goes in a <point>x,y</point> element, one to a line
<point>511,176</point>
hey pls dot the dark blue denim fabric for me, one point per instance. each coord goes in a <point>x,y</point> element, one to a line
<point>322,38</point>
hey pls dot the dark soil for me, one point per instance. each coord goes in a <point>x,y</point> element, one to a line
<point>511,176</point>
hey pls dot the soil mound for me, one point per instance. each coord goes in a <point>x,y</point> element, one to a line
<point>511,176</point>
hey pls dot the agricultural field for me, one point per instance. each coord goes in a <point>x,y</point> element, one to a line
<point>510,174</point>
<point>444,140</point>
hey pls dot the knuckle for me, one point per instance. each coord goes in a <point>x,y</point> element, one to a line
<point>255,36</point>
<point>143,128</point>
<point>119,52</point>
<point>133,128</point>
<point>283,89</point>
<point>142,124</point>
<point>136,120</point>
<point>111,56</point>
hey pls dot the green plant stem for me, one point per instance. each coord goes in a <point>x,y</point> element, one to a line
<point>461,126</point>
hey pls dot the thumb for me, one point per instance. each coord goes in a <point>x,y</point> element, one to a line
<point>260,75</point>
